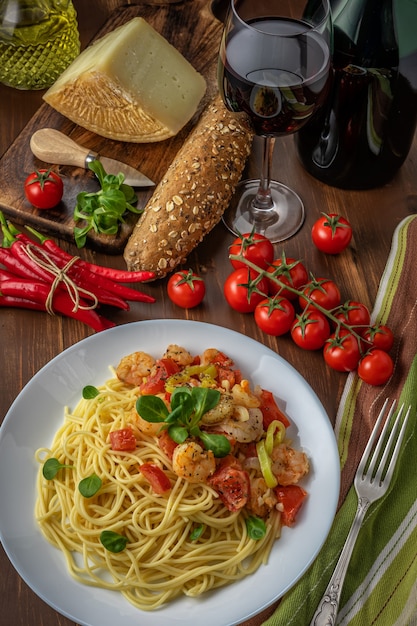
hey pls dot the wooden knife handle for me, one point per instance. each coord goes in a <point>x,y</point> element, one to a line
<point>52,146</point>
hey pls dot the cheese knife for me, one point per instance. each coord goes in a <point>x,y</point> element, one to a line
<point>52,146</point>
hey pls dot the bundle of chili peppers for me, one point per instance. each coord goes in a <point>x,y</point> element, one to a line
<point>38,274</point>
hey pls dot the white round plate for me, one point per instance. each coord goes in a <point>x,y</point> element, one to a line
<point>37,413</point>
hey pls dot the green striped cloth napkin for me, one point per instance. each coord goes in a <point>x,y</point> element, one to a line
<point>380,588</point>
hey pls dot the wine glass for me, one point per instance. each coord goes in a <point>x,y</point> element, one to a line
<point>275,65</point>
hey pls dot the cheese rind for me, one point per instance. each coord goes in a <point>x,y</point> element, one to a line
<point>130,85</point>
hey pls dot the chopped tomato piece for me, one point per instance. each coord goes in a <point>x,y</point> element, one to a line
<point>232,376</point>
<point>155,382</point>
<point>225,368</point>
<point>231,483</point>
<point>271,411</point>
<point>219,358</point>
<point>157,478</point>
<point>291,497</point>
<point>123,439</point>
<point>167,444</point>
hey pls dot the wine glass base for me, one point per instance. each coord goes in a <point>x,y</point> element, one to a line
<point>280,222</point>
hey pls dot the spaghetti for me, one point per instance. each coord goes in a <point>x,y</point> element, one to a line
<point>164,557</point>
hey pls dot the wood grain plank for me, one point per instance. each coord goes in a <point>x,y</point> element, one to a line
<point>196,34</point>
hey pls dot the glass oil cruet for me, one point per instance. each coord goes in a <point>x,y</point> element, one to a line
<point>38,40</point>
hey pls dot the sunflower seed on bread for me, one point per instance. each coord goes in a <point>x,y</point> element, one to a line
<point>194,192</point>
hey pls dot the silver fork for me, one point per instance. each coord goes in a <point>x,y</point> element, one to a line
<point>372,480</point>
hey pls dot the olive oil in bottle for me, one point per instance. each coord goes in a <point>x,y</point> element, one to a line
<point>38,40</point>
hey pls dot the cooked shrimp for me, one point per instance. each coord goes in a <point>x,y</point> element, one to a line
<point>262,498</point>
<point>243,431</point>
<point>134,367</point>
<point>178,354</point>
<point>191,462</point>
<point>289,465</point>
<point>222,411</point>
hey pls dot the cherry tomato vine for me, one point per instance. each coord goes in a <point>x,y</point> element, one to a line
<point>343,331</point>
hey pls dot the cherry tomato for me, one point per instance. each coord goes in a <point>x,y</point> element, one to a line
<point>167,444</point>
<point>231,483</point>
<point>244,289</point>
<point>341,351</point>
<point>323,291</point>
<point>376,367</point>
<point>186,289</point>
<point>156,476</point>
<point>310,330</point>
<point>379,336</point>
<point>44,189</point>
<point>123,439</point>
<point>290,272</point>
<point>331,233</point>
<point>274,315</point>
<point>355,314</point>
<point>254,247</point>
<point>270,410</point>
<point>291,497</point>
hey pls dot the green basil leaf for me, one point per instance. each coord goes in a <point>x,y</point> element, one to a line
<point>133,209</point>
<point>177,415</point>
<point>113,200</point>
<point>90,392</point>
<point>89,486</point>
<point>204,399</point>
<point>113,542</point>
<point>152,408</point>
<point>98,169</point>
<point>129,193</point>
<point>80,238</point>
<point>218,444</point>
<point>178,433</point>
<point>182,403</point>
<point>51,468</point>
<point>112,181</point>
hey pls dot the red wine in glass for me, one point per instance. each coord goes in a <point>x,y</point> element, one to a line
<point>276,69</point>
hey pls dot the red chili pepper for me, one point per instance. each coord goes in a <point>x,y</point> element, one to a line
<point>35,271</point>
<point>5,275</point>
<point>15,265</point>
<point>36,291</point>
<point>84,277</point>
<point>21,303</point>
<point>99,285</point>
<point>106,291</point>
<point>117,275</point>
<point>18,249</point>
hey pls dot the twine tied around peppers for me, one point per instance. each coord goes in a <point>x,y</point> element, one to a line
<point>42,259</point>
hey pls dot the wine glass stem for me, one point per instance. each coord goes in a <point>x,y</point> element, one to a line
<point>263,199</point>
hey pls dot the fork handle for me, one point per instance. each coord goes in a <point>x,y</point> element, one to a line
<point>327,609</point>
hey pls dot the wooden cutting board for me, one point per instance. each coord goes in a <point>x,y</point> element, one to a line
<point>195,32</point>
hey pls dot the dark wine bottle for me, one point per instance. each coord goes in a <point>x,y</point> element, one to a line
<point>363,135</point>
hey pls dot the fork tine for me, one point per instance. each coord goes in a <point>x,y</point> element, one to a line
<point>387,445</point>
<point>384,444</point>
<point>391,466</point>
<point>367,452</point>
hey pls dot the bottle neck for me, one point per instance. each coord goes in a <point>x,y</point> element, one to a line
<point>364,33</point>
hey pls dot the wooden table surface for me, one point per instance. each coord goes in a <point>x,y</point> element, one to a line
<point>29,340</point>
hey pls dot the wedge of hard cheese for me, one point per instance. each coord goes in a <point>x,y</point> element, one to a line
<point>130,85</point>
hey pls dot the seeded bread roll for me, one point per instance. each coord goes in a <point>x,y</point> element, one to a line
<point>194,193</point>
